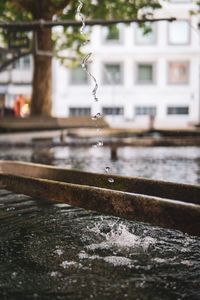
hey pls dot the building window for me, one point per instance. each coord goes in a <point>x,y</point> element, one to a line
<point>78,76</point>
<point>178,110</point>
<point>112,74</point>
<point>2,58</point>
<point>145,110</point>
<point>80,111</point>
<point>24,63</point>
<point>113,111</point>
<point>145,36</point>
<point>112,33</point>
<point>145,73</point>
<point>178,72</point>
<point>179,32</point>
<point>180,1</point>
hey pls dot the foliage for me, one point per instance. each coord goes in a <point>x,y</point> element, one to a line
<point>70,38</point>
<point>102,9</point>
<point>67,38</point>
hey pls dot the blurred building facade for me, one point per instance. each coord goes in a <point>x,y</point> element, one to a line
<point>15,81</point>
<point>142,78</point>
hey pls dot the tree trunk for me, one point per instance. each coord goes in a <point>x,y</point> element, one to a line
<point>42,74</point>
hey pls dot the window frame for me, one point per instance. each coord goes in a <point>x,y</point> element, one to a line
<point>79,108</point>
<point>153,107</point>
<point>121,64</point>
<point>145,44</point>
<point>119,41</point>
<point>177,114</point>
<point>180,2</point>
<point>187,82</point>
<point>78,84</point>
<point>121,109</point>
<point>19,64</point>
<point>168,33</point>
<point>154,73</point>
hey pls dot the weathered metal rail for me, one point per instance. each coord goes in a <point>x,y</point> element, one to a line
<point>160,203</point>
<point>66,23</point>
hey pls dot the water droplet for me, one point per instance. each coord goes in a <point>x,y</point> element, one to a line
<point>111,180</point>
<point>100,144</point>
<point>59,252</point>
<point>107,169</point>
<point>86,42</point>
<point>97,116</point>
<point>14,275</point>
<point>65,264</point>
<point>54,274</point>
<point>10,208</point>
<point>35,295</point>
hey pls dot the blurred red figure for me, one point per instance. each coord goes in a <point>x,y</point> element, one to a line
<point>19,103</point>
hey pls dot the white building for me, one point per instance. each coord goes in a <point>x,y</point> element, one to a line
<point>138,75</point>
<point>16,80</point>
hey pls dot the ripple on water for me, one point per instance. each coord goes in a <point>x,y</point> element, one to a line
<point>92,252</point>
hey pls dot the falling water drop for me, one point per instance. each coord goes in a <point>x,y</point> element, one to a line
<point>100,144</point>
<point>97,116</point>
<point>111,180</point>
<point>107,169</point>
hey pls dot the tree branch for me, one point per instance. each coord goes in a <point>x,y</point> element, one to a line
<point>13,59</point>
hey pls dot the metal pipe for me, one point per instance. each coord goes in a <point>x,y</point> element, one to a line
<point>42,23</point>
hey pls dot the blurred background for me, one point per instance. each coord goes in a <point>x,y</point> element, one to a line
<point>145,74</point>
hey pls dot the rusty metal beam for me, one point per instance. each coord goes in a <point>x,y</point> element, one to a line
<point>171,190</point>
<point>126,197</point>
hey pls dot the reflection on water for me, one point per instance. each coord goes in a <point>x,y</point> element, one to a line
<point>54,251</point>
<point>175,164</point>
<point>180,164</point>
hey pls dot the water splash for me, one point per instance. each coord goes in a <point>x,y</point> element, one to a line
<point>65,264</point>
<point>114,243</point>
<point>59,252</point>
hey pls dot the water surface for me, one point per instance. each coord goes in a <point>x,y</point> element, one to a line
<point>54,251</point>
